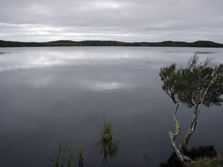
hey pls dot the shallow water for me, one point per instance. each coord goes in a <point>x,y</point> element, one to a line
<point>60,94</point>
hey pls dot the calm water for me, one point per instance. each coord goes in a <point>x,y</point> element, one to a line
<point>60,94</point>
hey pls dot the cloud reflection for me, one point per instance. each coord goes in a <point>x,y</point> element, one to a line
<point>23,63</point>
<point>45,61</point>
<point>100,86</point>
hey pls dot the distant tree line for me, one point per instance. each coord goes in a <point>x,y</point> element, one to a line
<point>110,43</point>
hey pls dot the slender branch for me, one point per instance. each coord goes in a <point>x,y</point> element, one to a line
<point>176,122</point>
<point>197,109</point>
<point>191,130</point>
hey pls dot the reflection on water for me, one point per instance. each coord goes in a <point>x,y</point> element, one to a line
<point>29,63</point>
<point>42,58</point>
<point>101,86</point>
<point>146,159</point>
<point>1,53</point>
<point>108,143</point>
<point>56,94</point>
<point>109,151</point>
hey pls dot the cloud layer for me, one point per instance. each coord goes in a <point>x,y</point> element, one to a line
<point>126,20</point>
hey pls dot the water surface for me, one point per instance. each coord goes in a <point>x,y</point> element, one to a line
<point>60,94</point>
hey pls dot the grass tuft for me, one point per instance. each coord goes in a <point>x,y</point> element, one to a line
<point>80,156</point>
<point>208,162</point>
<point>62,156</point>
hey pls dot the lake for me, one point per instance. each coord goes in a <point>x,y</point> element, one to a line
<point>51,95</point>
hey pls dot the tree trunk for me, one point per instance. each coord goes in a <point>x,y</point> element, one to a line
<point>193,124</point>
<point>185,160</point>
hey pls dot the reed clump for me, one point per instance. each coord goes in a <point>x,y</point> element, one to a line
<point>64,157</point>
<point>107,142</point>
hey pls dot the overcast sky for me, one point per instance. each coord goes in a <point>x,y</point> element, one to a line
<point>122,20</point>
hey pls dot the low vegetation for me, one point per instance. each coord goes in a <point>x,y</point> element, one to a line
<point>64,157</point>
<point>208,162</point>
<point>109,43</point>
<point>108,144</point>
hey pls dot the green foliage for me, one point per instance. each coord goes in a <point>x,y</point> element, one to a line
<point>62,156</point>
<point>56,158</point>
<point>196,85</point>
<point>108,144</point>
<point>188,84</point>
<point>106,140</point>
<point>70,158</point>
<point>80,157</point>
<point>107,127</point>
<point>207,162</point>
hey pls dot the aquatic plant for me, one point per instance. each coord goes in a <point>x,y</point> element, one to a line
<point>109,150</point>
<point>62,156</point>
<point>62,161</point>
<point>107,142</point>
<point>56,158</point>
<point>80,157</point>
<point>106,133</point>
<point>69,158</point>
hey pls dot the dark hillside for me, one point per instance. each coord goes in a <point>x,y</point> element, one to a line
<point>110,43</point>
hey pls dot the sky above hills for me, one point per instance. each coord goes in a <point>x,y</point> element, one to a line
<point>121,20</point>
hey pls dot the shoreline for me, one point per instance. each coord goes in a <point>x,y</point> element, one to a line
<point>206,44</point>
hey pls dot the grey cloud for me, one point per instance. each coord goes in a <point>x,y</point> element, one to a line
<point>126,20</point>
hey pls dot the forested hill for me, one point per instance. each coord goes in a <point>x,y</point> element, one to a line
<point>110,43</point>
